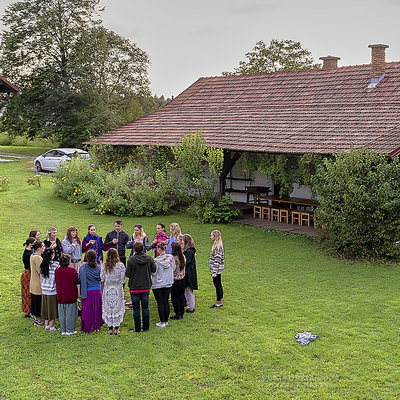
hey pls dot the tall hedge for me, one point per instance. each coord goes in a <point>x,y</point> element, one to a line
<point>360,203</point>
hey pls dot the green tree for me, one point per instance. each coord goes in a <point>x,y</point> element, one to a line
<point>78,79</point>
<point>360,204</point>
<point>280,55</point>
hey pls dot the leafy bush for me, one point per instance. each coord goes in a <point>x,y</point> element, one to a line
<point>220,212</point>
<point>142,181</point>
<point>72,179</point>
<point>125,191</point>
<point>5,139</point>
<point>360,203</point>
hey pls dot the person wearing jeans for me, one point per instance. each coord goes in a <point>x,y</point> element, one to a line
<point>141,299</point>
<point>67,295</point>
<point>140,268</point>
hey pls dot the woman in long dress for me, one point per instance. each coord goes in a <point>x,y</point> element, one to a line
<point>89,279</point>
<point>112,275</point>
<point>26,303</point>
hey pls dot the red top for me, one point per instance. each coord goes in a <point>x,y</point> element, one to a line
<point>66,283</point>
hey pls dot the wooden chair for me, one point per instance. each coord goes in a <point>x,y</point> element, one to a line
<point>257,211</point>
<point>296,217</point>
<point>274,214</point>
<point>284,215</point>
<point>266,213</point>
<point>305,218</point>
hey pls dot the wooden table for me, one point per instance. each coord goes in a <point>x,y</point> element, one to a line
<point>256,191</point>
<point>298,201</point>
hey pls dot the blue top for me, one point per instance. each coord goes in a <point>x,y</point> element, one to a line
<point>89,279</point>
<point>172,239</point>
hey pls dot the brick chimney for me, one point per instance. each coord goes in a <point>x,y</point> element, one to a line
<point>378,59</point>
<point>330,62</point>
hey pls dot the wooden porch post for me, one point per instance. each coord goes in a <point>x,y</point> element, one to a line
<point>229,162</point>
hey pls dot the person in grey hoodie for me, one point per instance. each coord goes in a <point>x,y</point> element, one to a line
<point>162,282</point>
<point>139,269</point>
<point>72,245</point>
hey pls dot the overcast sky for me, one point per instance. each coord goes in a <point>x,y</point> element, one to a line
<point>188,39</point>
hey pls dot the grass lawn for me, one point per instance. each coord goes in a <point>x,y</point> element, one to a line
<point>275,286</point>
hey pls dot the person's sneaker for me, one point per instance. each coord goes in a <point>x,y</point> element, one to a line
<point>216,305</point>
<point>160,325</point>
<point>72,333</point>
<point>63,333</point>
<point>190,310</point>
<point>37,323</point>
<point>175,317</point>
<point>47,328</point>
<point>52,329</point>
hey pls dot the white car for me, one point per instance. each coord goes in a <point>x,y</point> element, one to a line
<point>50,160</point>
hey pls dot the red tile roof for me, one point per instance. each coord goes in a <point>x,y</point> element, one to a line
<point>312,111</point>
<point>7,87</point>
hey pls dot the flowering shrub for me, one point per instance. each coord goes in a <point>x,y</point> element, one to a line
<point>4,181</point>
<point>125,191</point>
<point>72,178</point>
<point>33,180</point>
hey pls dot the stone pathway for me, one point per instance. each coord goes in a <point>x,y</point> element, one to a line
<point>277,226</point>
<point>8,157</point>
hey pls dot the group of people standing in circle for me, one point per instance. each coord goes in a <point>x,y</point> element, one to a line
<point>55,276</point>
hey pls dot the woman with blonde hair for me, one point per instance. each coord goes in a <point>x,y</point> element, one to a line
<point>72,245</point>
<point>138,235</point>
<point>191,273</point>
<point>112,275</point>
<point>217,264</point>
<point>52,242</point>
<point>175,231</point>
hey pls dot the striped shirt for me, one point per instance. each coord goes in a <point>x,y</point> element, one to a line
<point>48,284</point>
